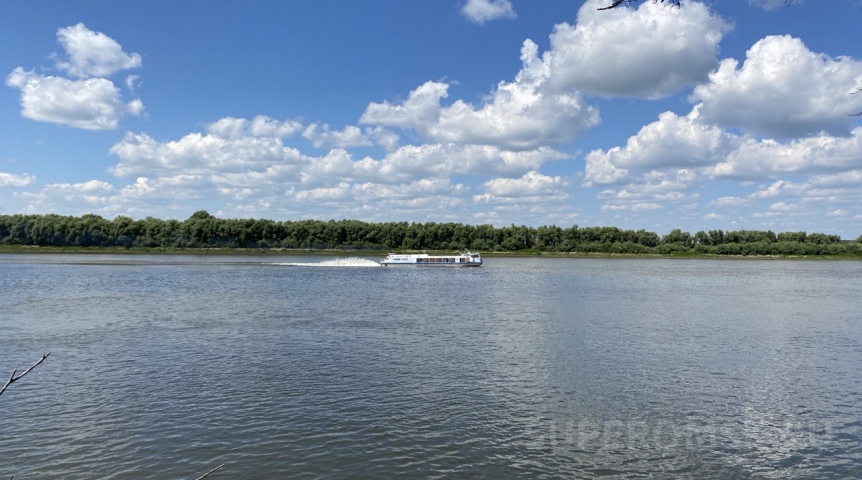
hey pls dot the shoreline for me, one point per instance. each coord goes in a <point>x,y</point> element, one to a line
<point>53,250</point>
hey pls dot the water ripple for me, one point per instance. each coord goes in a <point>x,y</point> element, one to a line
<point>523,368</point>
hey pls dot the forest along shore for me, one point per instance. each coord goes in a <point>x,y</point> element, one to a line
<point>205,233</point>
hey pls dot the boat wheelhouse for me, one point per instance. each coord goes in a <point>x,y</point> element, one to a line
<point>464,259</point>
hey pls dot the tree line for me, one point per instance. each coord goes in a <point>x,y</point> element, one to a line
<point>203,230</point>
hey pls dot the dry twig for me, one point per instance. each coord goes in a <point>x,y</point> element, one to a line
<point>211,471</point>
<point>675,3</point>
<point>858,114</point>
<point>13,378</point>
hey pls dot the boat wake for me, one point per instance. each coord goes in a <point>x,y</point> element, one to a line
<point>340,262</point>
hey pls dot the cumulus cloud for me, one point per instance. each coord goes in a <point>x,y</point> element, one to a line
<point>132,83</point>
<point>258,127</point>
<point>368,191</point>
<point>673,143</point>
<point>92,104</point>
<point>322,136</point>
<point>852,178</point>
<point>670,142</point>
<point>635,52</point>
<point>533,187</point>
<point>782,207</point>
<point>444,160</point>
<point>94,195</point>
<point>728,202</point>
<point>651,191</point>
<point>519,115</point>
<point>421,108</point>
<point>386,138</point>
<point>140,154</point>
<point>481,11</point>
<point>838,213</point>
<point>757,159</point>
<point>681,148</point>
<point>14,180</point>
<point>783,90</point>
<point>136,199</point>
<point>775,189</point>
<point>643,52</point>
<point>93,54</point>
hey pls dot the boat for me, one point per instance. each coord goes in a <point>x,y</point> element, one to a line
<point>464,259</point>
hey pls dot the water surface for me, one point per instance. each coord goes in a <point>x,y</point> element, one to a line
<point>166,366</point>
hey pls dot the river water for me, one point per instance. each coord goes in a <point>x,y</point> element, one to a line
<point>163,367</point>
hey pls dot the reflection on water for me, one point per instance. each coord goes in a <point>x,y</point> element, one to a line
<point>164,367</point>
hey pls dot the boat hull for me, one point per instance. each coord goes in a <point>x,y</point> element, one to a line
<point>449,265</point>
<point>465,259</point>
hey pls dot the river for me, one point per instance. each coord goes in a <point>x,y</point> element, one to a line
<point>165,366</point>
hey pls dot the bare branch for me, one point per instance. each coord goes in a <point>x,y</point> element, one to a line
<point>13,378</point>
<point>613,5</point>
<point>675,3</point>
<point>211,471</point>
<point>617,3</point>
<point>858,114</point>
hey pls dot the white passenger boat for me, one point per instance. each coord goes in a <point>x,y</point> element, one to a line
<point>465,259</point>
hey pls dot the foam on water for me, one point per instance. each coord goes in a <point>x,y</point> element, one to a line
<point>339,262</point>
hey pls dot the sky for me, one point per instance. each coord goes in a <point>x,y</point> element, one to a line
<point>728,114</point>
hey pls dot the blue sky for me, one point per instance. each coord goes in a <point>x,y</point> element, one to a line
<point>729,114</point>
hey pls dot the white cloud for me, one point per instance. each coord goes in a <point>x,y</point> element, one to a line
<point>132,83</point>
<point>443,160</point>
<point>89,103</point>
<point>644,52</point>
<point>651,191</point>
<point>137,199</point>
<point>140,154</point>
<point>421,108</point>
<point>93,54</point>
<point>13,180</point>
<point>728,202</point>
<point>772,191</point>
<point>519,115</point>
<point>674,142</point>
<point>670,142</point>
<point>92,104</point>
<point>782,207</point>
<point>852,178</point>
<point>235,156</point>
<point>754,159</point>
<point>532,187</point>
<point>260,126</point>
<point>600,171</point>
<point>93,195</point>
<point>402,194</point>
<point>322,136</point>
<point>481,11</point>
<point>532,183</point>
<point>633,207</point>
<point>783,90</point>
<point>635,52</point>
<point>387,139</point>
